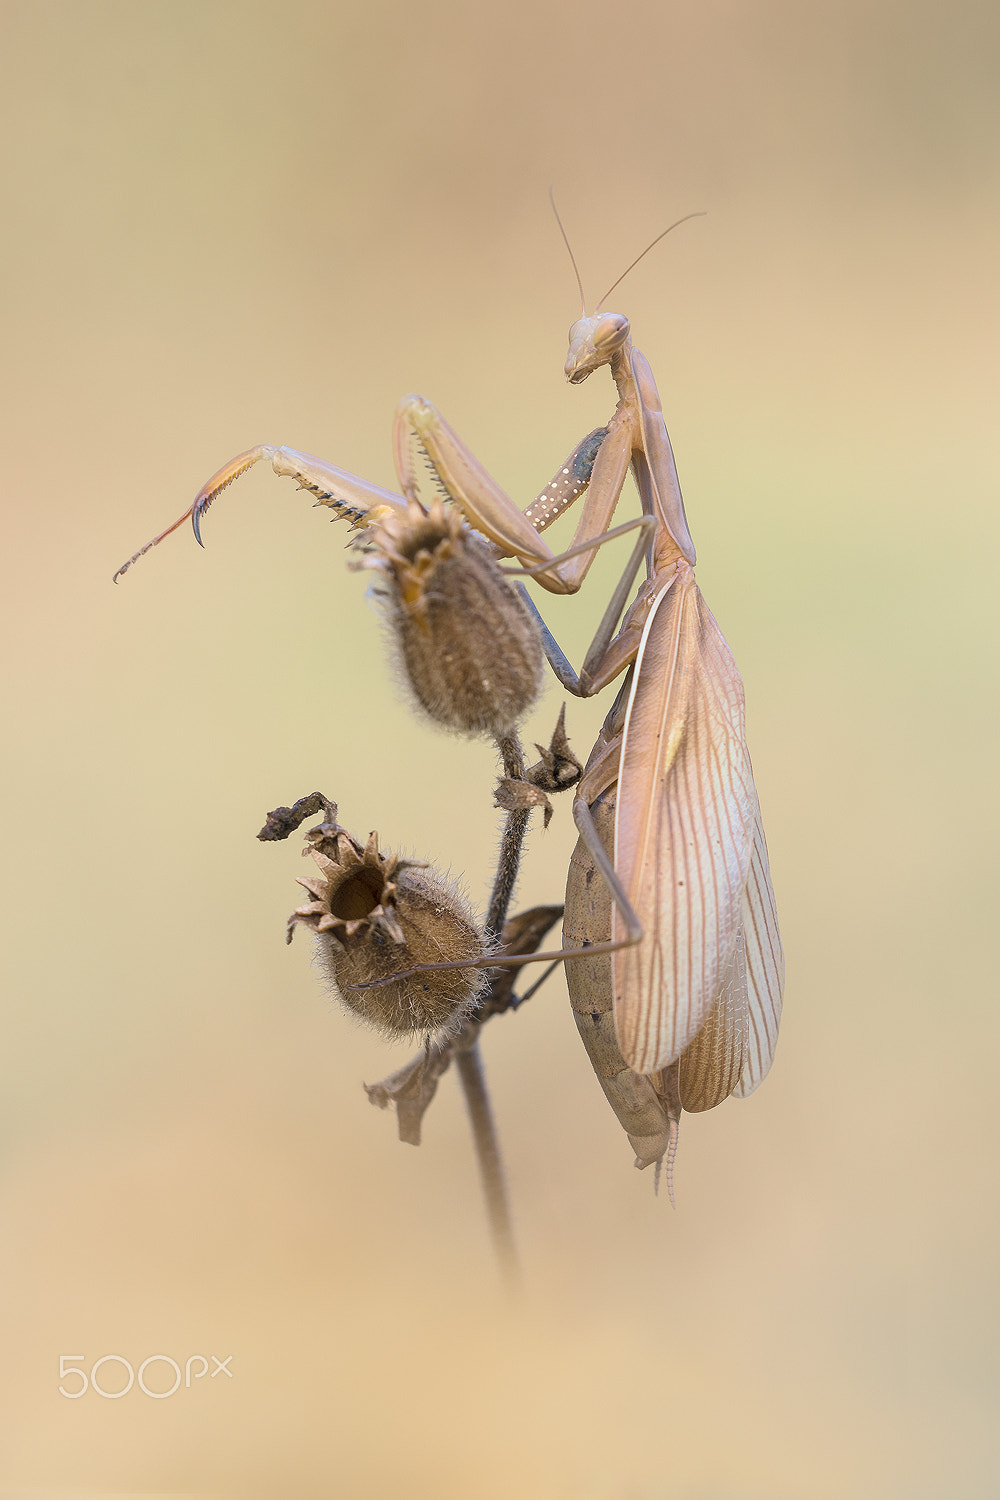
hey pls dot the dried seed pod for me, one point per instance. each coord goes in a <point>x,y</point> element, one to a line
<point>468,645</point>
<point>376,915</point>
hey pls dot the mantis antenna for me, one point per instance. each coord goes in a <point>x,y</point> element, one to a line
<point>698,214</point>
<point>569,247</point>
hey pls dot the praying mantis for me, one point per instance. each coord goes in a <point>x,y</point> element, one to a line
<point>694,972</point>
<point>696,999</point>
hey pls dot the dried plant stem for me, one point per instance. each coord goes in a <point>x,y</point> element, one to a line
<point>510,843</point>
<point>470,1071</point>
<point>470,1063</point>
<point>411,1089</point>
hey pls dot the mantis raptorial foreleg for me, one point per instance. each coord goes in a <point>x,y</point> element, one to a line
<point>596,467</point>
<point>356,500</point>
<point>365,504</point>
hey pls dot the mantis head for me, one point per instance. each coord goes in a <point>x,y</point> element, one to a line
<point>594,341</point>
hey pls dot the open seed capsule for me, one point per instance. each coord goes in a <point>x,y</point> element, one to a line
<point>376,915</point>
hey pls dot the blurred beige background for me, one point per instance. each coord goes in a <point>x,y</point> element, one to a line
<point>235,223</point>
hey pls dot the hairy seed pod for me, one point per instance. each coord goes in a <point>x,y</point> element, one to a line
<point>468,646</point>
<point>376,915</point>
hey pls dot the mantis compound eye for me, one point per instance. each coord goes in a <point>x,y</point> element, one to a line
<point>610,332</point>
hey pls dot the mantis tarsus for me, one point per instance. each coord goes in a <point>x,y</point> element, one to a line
<point>697,965</point>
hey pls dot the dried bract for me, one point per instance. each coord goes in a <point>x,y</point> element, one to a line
<point>557,770</point>
<point>467,643</point>
<point>376,915</point>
